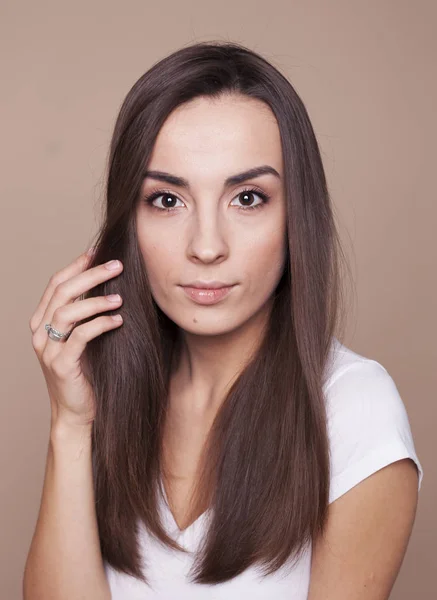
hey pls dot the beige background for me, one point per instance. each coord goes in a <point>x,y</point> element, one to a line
<point>366,72</point>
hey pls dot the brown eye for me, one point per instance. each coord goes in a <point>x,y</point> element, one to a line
<point>246,199</point>
<point>168,202</point>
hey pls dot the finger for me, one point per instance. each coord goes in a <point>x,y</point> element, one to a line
<point>67,315</point>
<point>66,361</point>
<point>77,266</point>
<point>70,289</point>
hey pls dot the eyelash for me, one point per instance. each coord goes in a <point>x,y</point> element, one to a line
<point>160,192</point>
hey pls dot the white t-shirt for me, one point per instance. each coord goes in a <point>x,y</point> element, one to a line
<point>368,428</point>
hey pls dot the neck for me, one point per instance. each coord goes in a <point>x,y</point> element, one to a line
<point>208,365</point>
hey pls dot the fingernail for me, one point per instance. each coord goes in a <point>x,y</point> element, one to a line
<point>112,265</point>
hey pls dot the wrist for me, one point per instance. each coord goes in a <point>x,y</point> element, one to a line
<point>62,430</point>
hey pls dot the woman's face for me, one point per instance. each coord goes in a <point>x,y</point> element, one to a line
<point>209,232</point>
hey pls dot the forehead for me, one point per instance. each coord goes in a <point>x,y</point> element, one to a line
<point>218,137</point>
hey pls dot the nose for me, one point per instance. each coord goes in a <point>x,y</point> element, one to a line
<point>207,238</point>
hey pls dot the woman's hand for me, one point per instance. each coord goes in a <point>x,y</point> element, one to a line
<point>71,395</point>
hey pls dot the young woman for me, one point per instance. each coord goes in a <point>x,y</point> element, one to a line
<point>219,441</point>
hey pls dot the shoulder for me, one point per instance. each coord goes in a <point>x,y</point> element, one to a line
<point>368,424</point>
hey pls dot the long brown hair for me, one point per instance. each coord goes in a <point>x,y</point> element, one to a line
<point>265,467</point>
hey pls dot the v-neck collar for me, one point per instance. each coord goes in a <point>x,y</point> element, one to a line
<point>173,527</point>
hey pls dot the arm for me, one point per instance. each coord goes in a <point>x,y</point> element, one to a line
<point>366,537</point>
<point>64,560</point>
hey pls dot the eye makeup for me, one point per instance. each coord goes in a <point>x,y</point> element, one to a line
<point>249,190</point>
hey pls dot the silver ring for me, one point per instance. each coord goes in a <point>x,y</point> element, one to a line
<point>54,334</point>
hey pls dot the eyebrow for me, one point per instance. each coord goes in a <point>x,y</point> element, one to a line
<point>232,180</point>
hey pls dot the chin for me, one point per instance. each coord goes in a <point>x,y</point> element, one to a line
<point>207,324</point>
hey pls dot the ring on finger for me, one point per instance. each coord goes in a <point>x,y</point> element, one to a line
<point>56,335</point>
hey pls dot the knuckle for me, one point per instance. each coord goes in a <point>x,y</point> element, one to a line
<point>31,323</point>
<point>59,313</point>
<point>86,260</point>
<point>60,368</point>
<point>60,290</point>
<point>55,279</point>
<point>80,333</point>
<point>45,359</point>
<point>37,344</point>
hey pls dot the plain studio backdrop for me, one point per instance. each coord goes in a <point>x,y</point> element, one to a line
<point>366,73</point>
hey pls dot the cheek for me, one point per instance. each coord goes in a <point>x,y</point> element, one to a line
<point>160,259</point>
<point>263,261</point>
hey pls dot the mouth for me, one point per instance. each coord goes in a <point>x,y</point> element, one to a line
<point>207,295</point>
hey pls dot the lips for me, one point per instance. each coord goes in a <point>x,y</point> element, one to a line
<point>208,295</point>
<point>207,285</point>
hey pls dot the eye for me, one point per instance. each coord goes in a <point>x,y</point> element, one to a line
<point>169,198</point>
<point>246,195</point>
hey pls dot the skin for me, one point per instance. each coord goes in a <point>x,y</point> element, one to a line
<point>366,537</point>
<point>208,237</point>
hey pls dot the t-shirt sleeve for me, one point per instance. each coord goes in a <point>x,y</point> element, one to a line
<point>368,426</point>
